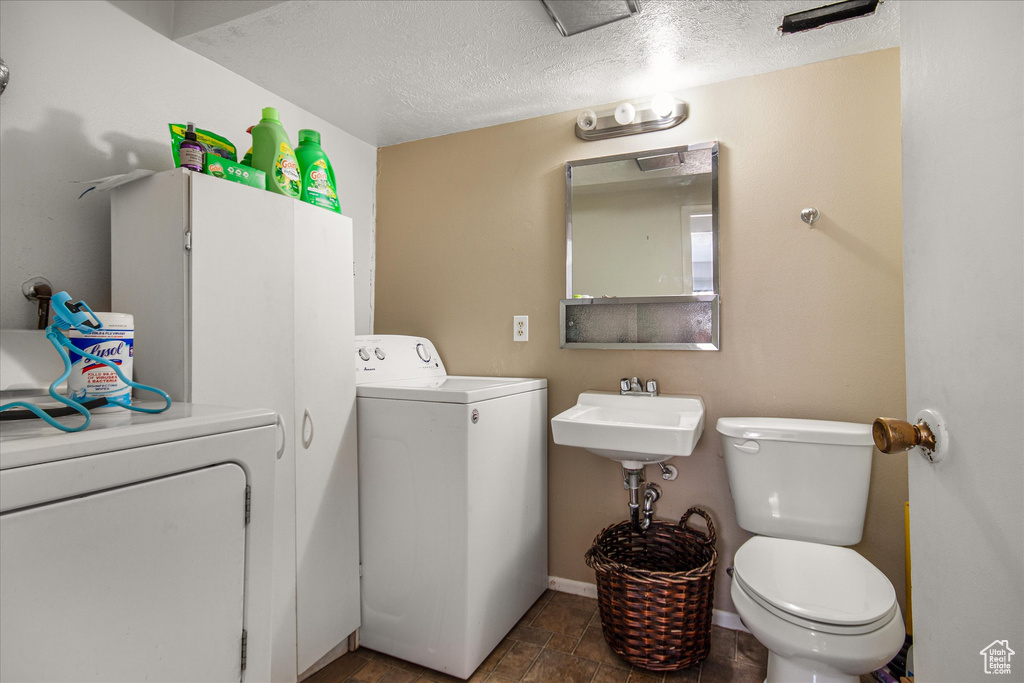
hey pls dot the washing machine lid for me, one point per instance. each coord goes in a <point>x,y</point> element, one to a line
<point>819,583</point>
<point>32,442</point>
<point>450,388</point>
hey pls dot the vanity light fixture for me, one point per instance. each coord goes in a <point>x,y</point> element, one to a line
<point>576,16</point>
<point>660,113</point>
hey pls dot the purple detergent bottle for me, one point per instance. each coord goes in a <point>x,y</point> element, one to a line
<point>191,151</point>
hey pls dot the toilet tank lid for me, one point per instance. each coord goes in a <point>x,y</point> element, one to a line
<point>797,430</point>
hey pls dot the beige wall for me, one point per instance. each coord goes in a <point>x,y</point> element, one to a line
<point>471,231</point>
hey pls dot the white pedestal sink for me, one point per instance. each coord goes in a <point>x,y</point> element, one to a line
<point>633,430</point>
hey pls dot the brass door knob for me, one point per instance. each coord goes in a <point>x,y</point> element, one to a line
<point>893,435</point>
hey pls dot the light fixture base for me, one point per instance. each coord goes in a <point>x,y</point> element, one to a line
<point>645,121</point>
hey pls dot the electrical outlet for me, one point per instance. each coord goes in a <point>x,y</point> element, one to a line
<point>520,328</point>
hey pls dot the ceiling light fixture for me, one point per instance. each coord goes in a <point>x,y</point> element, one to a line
<point>628,119</point>
<point>576,16</point>
<point>829,14</point>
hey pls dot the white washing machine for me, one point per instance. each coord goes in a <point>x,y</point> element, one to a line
<point>452,504</point>
<point>138,549</point>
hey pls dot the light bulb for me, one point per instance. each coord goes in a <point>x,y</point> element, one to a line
<point>587,120</point>
<point>625,113</point>
<point>663,105</point>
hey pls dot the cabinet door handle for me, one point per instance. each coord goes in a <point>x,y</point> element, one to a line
<point>306,419</point>
<point>284,435</point>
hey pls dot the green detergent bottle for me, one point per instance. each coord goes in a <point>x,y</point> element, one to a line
<point>318,185</point>
<point>247,159</point>
<point>272,154</point>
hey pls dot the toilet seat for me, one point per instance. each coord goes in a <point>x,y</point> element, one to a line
<point>820,587</point>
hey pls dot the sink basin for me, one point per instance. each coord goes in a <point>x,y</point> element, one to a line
<point>634,430</point>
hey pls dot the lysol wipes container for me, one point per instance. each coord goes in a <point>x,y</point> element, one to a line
<point>114,343</point>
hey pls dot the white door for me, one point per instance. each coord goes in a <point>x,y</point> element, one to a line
<point>326,488</point>
<point>242,350</point>
<point>143,582</point>
<point>963,152</point>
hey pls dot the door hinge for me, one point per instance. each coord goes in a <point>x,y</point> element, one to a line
<point>360,570</point>
<point>248,502</point>
<point>245,638</point>
<point>188,240</point>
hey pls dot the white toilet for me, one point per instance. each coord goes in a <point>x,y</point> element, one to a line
<point>824,612</point>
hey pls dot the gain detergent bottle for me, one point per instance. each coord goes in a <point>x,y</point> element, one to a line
<point>247,159</point>
<point>272,154</point>
<point>318,185</point>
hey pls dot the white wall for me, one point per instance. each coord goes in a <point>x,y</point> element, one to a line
<point>962,69</point>
<point>91,93</point>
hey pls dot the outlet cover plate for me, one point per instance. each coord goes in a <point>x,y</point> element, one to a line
<point>520,328</point>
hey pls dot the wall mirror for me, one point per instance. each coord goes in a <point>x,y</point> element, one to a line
<point>642,268</point>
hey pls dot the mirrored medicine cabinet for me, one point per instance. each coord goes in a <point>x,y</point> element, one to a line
<point>641,267</point>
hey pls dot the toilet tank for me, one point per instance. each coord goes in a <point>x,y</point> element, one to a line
<point>801,479</point>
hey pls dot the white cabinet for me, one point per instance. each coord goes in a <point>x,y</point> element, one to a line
<point>245,298</point>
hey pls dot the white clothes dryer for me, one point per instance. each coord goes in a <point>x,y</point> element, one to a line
<point>452,504</point>
<point>138,549</point>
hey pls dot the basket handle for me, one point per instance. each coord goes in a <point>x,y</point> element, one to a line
<point>709,537</point>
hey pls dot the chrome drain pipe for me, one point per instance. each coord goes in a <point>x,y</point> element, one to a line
<point>651,494</point>
<point>631,480</point>
<point>640,514</point>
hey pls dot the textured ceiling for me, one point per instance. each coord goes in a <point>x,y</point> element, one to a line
<point>396,70</point>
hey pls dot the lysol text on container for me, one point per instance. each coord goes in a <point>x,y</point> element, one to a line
<point>114,343</point>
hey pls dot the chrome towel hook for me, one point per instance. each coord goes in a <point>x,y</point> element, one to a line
<point>809,215</point>
<point>5,76</point>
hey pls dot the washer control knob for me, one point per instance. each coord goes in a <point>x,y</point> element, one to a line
<point>379,352</point>
<point>423,352</point>
<point>364,354</point>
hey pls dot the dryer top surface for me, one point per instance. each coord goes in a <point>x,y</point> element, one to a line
<point>32,442</point>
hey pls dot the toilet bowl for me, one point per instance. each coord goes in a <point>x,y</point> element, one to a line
<point>825,613</point>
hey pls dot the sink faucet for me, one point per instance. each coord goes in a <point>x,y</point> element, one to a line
<point>634,387</point>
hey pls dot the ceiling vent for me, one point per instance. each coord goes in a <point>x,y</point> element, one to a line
<point>576,16</point>
<point>829,14</point>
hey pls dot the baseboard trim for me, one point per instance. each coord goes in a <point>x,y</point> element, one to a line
<point>583,588</point>
<point>719,617</point>
<point>729,620</point>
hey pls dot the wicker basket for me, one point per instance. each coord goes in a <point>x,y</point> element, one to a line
<point>655,590</point>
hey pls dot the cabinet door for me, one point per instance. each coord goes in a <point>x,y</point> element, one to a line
<point>242,350</point>
<point>326,495</point>
<point>142,582</point>
<point>241,296</point>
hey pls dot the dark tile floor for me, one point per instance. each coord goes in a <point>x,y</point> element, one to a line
<point>559,640</point>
